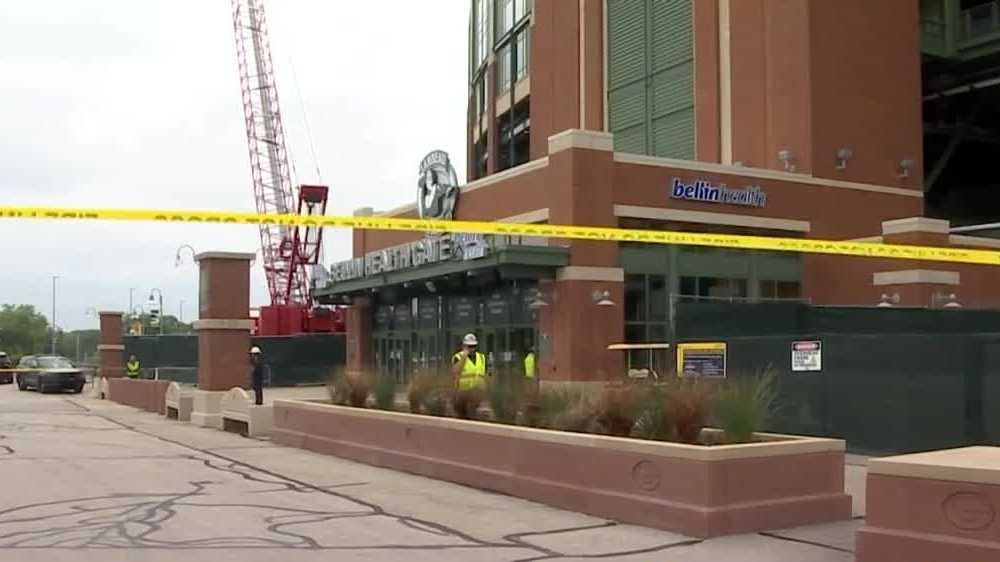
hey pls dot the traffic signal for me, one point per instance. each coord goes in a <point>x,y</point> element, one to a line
<point>154,312</point>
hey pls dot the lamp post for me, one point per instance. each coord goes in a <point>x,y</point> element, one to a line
<point>159,311</point>
<point>54,277</point>
<point>177,257</point>
<point>181,316</point>
<point>131,290</point>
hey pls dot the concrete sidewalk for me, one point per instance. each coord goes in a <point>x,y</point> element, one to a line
<point>89,480</point>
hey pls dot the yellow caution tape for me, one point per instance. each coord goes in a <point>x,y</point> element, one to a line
<point>804,245</point>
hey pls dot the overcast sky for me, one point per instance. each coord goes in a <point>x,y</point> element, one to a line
<point>136,104</point>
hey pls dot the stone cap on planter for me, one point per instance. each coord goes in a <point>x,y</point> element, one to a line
<point>772,444</point>
<point>979,465</point>
<point>236,400</point>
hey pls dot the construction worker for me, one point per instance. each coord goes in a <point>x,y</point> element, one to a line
<point>529,364</point>
<point>257,375</point>
<point>469,365</point>
<point>133,368</point>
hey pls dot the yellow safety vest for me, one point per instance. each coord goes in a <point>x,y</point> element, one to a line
<point>132,368</point>
<point>473,374</point>
<point>529,366</point>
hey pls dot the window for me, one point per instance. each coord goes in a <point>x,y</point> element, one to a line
<point>646,304</point>
<point>710,288</point>
<point>523,54</point>
<point>780,290</point>
<point>481,32</point>
<point>509,15</point>
<point>54,363</point>
<point>635,298</point>
<point>503,70</point>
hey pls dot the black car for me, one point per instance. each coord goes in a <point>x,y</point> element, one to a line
<point>49,373</point>
<point>5,364</point>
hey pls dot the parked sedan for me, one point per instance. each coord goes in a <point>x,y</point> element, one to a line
<point>6,377</point>
<point>49,373</point>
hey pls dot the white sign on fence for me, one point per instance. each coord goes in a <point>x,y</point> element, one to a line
<point>807,356</point>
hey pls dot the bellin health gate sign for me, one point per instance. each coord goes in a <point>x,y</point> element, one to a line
<point>705,192</point>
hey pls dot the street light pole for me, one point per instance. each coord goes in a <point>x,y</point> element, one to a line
<point>181,317</point>
<point>54,277</point>
<point>130,291</point>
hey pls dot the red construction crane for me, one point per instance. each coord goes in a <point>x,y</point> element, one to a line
<point>288,253</point>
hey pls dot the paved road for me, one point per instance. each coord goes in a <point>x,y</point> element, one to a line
<point>86,480</point>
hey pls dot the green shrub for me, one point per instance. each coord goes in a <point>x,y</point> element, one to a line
<point>466,403</point>
<point>348,390</point>
<point>687,402</point>
<point>744,405</point>
<point>560,408</point>
<point>653,420</point>
<point>579,415</point>
<point>429,393</point>
<point>385,392</point>
<point>338,387</point>
<point>618,409</point>
<point>503,399</point>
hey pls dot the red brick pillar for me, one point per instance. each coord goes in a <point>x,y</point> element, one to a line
<point>918,283</point>
<point>359,335</point>
<point>581,168</point>
<point>223,332</point>
<point>110,347</point>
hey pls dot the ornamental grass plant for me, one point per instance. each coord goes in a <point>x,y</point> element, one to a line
<point>687,404</point>
<point>744,405</point>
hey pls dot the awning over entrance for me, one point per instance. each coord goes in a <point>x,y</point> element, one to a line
<point>509,261</point>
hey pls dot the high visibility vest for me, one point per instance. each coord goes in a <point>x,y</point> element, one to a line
<point>132,369</point>
<point>473,374</point>
<point>529,365</point>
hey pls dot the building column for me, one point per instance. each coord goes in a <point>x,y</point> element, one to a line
<point>580,192</point>
<point>359,335</point>
<point>918,283</point>
<point>110,347</point>
<point>223,332</point>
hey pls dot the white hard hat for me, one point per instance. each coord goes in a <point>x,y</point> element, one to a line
<point>255,350</point>
<point>3,354</point>
<point>470,339</point>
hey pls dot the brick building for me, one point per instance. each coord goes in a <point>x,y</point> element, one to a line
<point>782,118</point>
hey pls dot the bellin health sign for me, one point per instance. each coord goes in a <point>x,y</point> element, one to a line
<point>707,193</point>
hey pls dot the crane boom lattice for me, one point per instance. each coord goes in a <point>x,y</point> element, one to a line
<point>287,278</point>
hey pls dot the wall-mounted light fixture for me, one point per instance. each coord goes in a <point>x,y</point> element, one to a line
<point>537,302</point>
<point>888,301</point>
<point>788,158</point>
<point>603,298</point>
<point>430,286</point>
<point>843,155</point>
<point>905,168</point>
<point>943,300</point>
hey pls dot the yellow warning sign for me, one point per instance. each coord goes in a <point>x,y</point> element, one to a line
<point>777,244</point>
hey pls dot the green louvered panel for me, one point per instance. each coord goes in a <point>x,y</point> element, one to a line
<point>672,33</point>
<point>672,90</point>
<point>651,76</point>
<point>631,140</point>
<point>627,106</point>
<point>627,42</point>
<point>673,135</point>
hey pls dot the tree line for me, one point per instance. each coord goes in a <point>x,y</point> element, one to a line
<point>25,331</point>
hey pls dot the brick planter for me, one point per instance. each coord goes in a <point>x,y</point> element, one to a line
<point>939,506</point>
<point>695,490</point>
<point>143,394</point>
